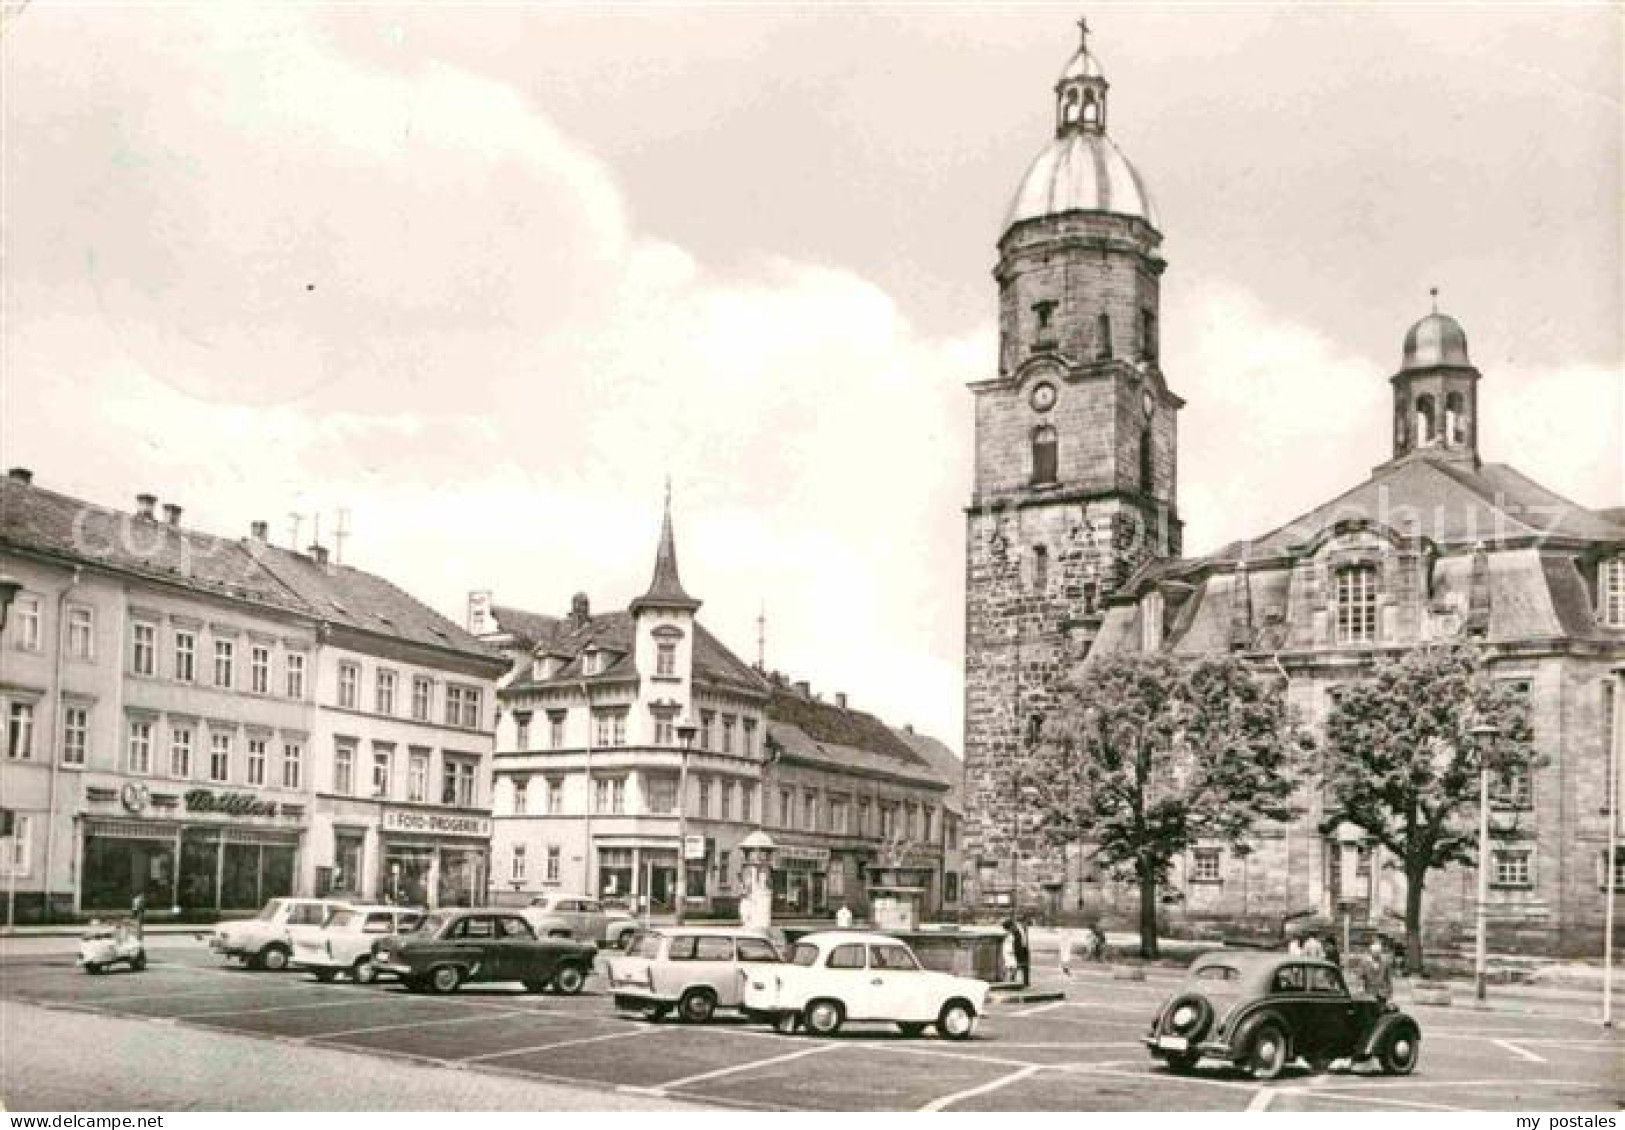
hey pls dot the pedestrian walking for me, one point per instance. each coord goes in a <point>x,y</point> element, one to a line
<point>1067,941</point>
<point>1024,956</point>
<point>843,918</point>
<point>1312,948</point>
<point>1333,955</point>
<point>138,915</point>
<point>1008,965</point>
<point>1294,945</point>
<point>1379,972</point>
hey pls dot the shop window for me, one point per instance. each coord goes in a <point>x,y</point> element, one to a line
<point>81,633</point>
<point>614,875</point>
<point>1357,604</point>
<point>225,655</point>
<point>293,757</point>
<point>116,869</point>
<point>259,670</point>
<point>75,734</point>
<point>139,755</point>
<point>296,675</point>
<point>143,649</point>
<point>1512,867</point>
<point>20,732</point>
<point>347,847</point>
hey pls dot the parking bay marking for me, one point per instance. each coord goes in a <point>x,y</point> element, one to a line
<point>413,1024</point>
<point>559,1044</point>
<point>260,1011</point>
<point>1522,1053</point>
<point>971,1092</point>
<point>734,1069</point>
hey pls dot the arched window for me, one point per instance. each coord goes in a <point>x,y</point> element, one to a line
<point>1427,421</point>
<point>1091,109</point>
<point>1046,457</point>
<point>1455,421</point>
<point>1147,480</point>
<point>1103,337</point>
<point>1069,107</point>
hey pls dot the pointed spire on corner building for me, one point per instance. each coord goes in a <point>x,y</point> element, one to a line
<point>665,587</point>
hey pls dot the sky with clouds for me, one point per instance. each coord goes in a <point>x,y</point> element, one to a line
<point>485,276</point>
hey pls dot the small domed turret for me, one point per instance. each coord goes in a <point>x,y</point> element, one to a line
<point>1437,339</point>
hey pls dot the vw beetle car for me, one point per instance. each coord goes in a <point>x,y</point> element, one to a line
<point>449,948</point>
<point>556,915</point>
<point>1261,1011</point>
<point>843,975</point>
<point>344,944</point>
<point>695,970</point>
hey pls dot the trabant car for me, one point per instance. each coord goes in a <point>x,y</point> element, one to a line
<point>450,948</point>
<point>344,944</point>
<point>843,975</point>
<point>1261,1011</point>
<point>586,919</point>
<point>692,969</point>
<point>263,941</point>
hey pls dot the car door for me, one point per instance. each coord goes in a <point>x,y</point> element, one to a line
<point>1289,997</point>
<point>845,977</point>
<point>477,949</point>
<point>517,956</point>
<point>713,963</point>
<point>590,921</point>
<point>900,988</point>
<point>751,953</point>
<point>1334,1015</point>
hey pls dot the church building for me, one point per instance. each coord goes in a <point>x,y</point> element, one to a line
<point>1073,554</point>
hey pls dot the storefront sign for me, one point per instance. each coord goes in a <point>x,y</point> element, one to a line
<point>694,847</point>
<point>436,823</point>
<point>802,856</point>
<point>230,804</point>
<point>134,796</point>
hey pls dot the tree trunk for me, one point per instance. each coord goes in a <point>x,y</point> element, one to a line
<point>1413,921</point>
<point>1148,911</point>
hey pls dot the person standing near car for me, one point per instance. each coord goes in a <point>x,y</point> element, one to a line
<point>138,915</point>
<point>1379,972</point>
<point>1312,948</point>
<point>1023,947</point>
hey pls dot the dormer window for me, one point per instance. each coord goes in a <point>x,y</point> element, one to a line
<point>1611,592</point>
<point>1357,604</point>
<point>592,662</point>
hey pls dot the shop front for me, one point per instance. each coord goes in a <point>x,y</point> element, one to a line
<point>203,851</point>
<point>801,880</point>
<point>432,858</point>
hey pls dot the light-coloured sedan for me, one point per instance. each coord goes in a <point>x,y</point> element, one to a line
<point>344,944</point>
<point>692,969</point>
<point>842,976</point>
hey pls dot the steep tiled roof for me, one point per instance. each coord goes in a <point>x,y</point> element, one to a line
<point>612,631</point>
<point>665,587</point>
<point>827,724</point>
<point>340,594</point>
<point>529,628</point>
<point>33,518</point>
<point>945,763</point>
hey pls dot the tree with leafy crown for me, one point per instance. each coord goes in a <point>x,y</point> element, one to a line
<point>1148,755</point>
<point>1401,761</point>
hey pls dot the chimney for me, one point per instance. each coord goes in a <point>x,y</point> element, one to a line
<point>580,610</point>
<point>258,531</point>
<point>144,504</point>
<point>804,689</point>
<point>172,514</point>
<point>908,727</point>
<point>20,475</point>
<point>840,699</point>
<point>318,554</point>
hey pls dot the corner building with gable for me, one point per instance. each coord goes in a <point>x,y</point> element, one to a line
<point>1073,555</point>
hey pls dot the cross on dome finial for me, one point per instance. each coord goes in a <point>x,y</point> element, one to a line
<point>1083,31</point>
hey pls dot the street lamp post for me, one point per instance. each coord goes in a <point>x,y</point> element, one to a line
<point>1483,735</point>
<point>685,735</point>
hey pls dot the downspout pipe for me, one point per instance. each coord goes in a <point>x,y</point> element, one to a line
<point>58,735</point>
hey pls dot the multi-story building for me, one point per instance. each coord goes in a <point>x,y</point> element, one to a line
<point>589,765</point>
<point>209,722</point>
<point>157,691</point>
<point>402,733</point>
<point>1073,554</point>
<point>950,769</point>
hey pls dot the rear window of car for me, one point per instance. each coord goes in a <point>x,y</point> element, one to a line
<point>1217,973</point>
<point>681,948</point>
<point>803,954</point>
<point>845,957</point>
<point>515,928</point>
<point>755,949</point>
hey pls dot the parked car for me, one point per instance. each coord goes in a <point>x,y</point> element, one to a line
<point>263,942</point>
<point>105,945</point>
<point>692,969</point>
<point>1260,1011</point>
<point>344,943</point>
<point>452,947</point>
<point>838,976</point>
<point>556,915</point>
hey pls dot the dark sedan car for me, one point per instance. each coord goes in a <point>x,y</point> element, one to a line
<point>1261,1011</point>
<point>451,947</point>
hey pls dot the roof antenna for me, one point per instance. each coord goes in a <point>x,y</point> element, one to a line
<point>1434,292</point>
<point>340,534</point>
<point>295,520</point>
<point>761,638</point>
<point>316,528</point>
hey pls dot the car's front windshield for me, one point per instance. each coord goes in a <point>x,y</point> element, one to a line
<point>269,910</point>
<point>803,954</point>
<point>431,925</point>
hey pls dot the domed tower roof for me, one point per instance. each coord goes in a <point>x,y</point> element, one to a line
<point>1437,339</point>
<point>1081,170</point>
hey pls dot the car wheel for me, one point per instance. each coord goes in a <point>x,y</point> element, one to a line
<point>697,1006</point>
<point>138,963</point>
<point>569,979</point>
<point>274,958</point>
<point>910,1028</point>
<point>1188,1016</point>
<point>1401,1048</point>
<point>1268,1052</point>
<point>364,971</point>
<point>445,978</point>
<point>957,1020</point>
<point>824,1017</point>
<point>786,1023</point>
<point>324,975</point>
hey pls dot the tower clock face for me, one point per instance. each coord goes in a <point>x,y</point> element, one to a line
<point>1043,397</point>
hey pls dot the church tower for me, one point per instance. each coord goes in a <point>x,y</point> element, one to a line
<point>1075,474</point>
<point>1436,393</point>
